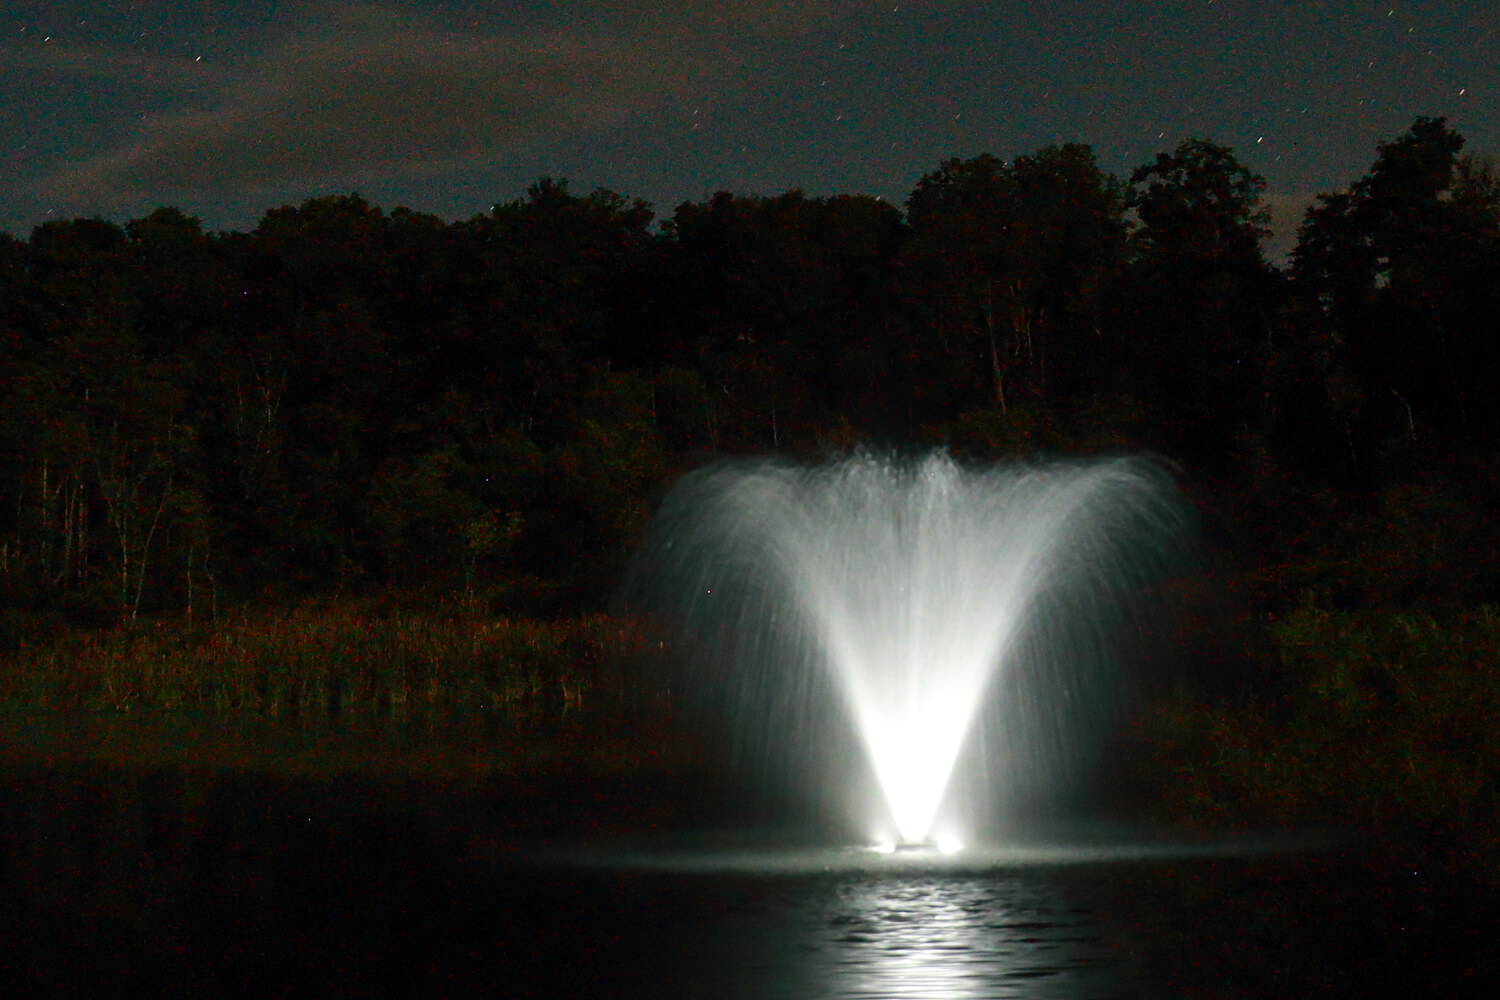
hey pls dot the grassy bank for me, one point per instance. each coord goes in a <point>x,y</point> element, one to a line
<point>1382,720</point>
<point>366,658</point>
<point>505,724</point>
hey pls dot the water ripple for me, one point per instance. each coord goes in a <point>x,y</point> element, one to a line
<point>916,935</point>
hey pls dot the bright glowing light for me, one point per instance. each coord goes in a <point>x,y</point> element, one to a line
<point>883,847</point>
<point>928,590</point>
<point>947,843</point>
<point>913,756</point>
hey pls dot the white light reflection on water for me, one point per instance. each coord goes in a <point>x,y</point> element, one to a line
<point>916,936</point>
<point>1000,920</point>
<point>972,937</point>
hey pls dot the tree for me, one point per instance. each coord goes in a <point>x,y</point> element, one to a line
<point>1404,267</point>
<point>1196,302</point>
<point>1005,267</point>
<point>78,345</point>
<point>781,307</point>
<point>1199,211</point>
<point>959,216</point>
<point>559,270</point>
<point>105,391</point>
<point>135,470</point>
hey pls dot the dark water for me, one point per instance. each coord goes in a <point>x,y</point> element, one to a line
<point>997,934</point>
<point>182,881</point>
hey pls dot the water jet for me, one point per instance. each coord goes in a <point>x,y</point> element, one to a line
<point>947,630</point>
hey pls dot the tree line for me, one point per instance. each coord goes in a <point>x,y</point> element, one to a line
<point>348,398</point>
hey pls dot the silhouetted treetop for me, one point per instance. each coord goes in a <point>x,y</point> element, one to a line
<point>1405,269</point>
<point>1199,207</point>
<point>349,396</point>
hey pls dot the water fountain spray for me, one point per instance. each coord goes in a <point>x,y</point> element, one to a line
<point>951,611</point>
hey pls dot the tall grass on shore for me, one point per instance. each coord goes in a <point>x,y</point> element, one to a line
<point>1385,719</point>
<point>348,658</point>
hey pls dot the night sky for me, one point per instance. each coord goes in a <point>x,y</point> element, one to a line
<point>226,110</point>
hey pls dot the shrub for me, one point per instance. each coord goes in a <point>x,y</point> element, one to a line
<point>323,660</point>
<point>1386,721</point>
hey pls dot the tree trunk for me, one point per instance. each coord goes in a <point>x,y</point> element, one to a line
<point>988,309</point>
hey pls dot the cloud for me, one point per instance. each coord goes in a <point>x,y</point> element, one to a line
<point>63,59</point>
<point>353,92</point>
<point>369,91</point>
<point>763,19</point>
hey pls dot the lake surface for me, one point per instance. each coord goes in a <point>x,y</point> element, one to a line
<point>130,877</point>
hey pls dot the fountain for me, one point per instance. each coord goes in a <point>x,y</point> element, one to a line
<point>946,629</point>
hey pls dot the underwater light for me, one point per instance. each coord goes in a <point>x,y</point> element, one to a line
<point>947,843</point>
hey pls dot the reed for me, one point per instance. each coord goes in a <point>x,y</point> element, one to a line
<point>351,657</point>
<point>1383,719</point>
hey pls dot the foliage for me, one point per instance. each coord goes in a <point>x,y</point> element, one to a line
<point>319,660</point>
<point>1385,721</point>
<point>781,307</point>
<point>344,397</point>
<point>346,401</point>
<point>1006,266</point>
<point>1405,270</point>
<point>1193,308</point>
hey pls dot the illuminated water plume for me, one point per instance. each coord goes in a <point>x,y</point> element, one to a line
<point>935,606</point>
